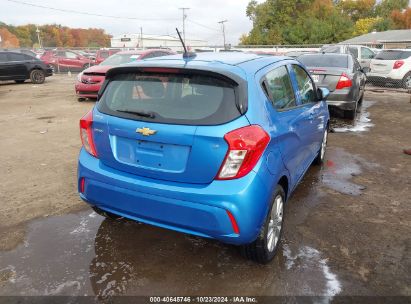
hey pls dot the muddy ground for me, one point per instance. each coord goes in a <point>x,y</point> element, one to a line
<point>347,227</point>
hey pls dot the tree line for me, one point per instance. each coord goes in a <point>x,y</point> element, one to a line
<point>51,35</point>
<point>322,21</point>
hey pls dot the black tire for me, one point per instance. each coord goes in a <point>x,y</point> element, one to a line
<point>406,81</point>
<point>351,114</point>
<point>80,99</point>
<point>37,76</point>
<point>258,250</point>
<point>361,99</point>
<point>106,214</point>
<point>319,160</point>
<point>19,81</point>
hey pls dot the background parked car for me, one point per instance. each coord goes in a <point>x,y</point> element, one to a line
<point>391,67</point>
<point>342,75</point>
<point>20,67</point>
<point>102,55</point>
<point>362,53</point>
<point>61,60</point>
<point>90,80</point>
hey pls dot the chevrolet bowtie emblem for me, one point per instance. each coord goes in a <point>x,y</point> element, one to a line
<point>146,131</point>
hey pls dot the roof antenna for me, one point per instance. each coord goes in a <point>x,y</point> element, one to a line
<point>186,53</point>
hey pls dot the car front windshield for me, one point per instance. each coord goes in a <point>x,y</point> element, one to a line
<point>118,59</point>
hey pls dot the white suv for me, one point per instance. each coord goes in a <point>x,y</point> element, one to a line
<point>391,66</point>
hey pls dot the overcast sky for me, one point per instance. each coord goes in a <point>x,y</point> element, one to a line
<point>166,15</point>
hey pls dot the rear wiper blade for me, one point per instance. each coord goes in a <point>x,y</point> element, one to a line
<point>138,113</point>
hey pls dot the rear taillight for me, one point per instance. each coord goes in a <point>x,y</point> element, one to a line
<point>398,64</point>
<point>245,147</point>
<point>86,133</point>
<point>344,82</point>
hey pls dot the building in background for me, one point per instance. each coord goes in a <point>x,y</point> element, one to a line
<point>396,39</point>
<point>155,41</point>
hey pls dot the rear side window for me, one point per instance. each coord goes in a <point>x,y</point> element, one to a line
<point>16,57</point>
<point>3,57</point>
<point>393,55</point>
<point>305,85</point>
<point>367,53</point>
<point>171,98</point>
<point>278,85</point>
<point>331,61</point>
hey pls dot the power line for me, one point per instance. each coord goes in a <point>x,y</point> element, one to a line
<point>86,13</point>
<point>202,25</point>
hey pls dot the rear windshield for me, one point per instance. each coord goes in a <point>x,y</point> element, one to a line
<point>170,98</point>
<point>393,55</point>
<point>324,61</point>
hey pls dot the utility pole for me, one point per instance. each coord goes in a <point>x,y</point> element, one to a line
<point>141,37</point>
<point>184,22</point>
<point>38,36</point>
<point>223,26</point>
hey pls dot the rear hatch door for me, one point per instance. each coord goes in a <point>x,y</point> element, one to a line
<point>383,63</point>
<point>167,126</point>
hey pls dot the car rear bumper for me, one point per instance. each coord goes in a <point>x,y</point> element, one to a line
<point>190,208</point>
<point>341,99</point>
<point>393,75</point>
<point>87,90</point>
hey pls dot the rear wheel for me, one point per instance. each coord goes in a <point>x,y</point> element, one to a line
<point>80,99</point>
<point>350,114</point>
<point>19,81</point>
<point>406,81</point>
<point>264,248</point>
<point>37,76</point>
<point>106,214</point>
<point>321,154</point>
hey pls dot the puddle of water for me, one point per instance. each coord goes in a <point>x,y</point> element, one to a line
<point>82,254</point>
<point>340,168</point>
<point>362,122</point>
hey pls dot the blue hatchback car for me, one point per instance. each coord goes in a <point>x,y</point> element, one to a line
<point>211,145</point>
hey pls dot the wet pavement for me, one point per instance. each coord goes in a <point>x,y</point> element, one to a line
<point>347,227</point>
<point>84,254</point>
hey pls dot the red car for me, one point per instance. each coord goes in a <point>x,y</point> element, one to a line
<point>102,55</point>
<point>61,60</point>
<point>90,80</point>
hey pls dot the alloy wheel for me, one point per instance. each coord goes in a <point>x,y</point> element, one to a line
<point>275,223</point>
<point>324,144</point>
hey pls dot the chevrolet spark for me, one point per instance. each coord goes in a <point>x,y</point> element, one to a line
<point>211,145</point>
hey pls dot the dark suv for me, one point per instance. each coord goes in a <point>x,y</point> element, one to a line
<point>20,67</point>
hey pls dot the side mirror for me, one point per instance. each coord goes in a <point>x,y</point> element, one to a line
<point>322,93</point>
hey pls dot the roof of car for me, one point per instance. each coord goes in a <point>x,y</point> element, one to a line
<point>234,59</point>
<point>235,66</point>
